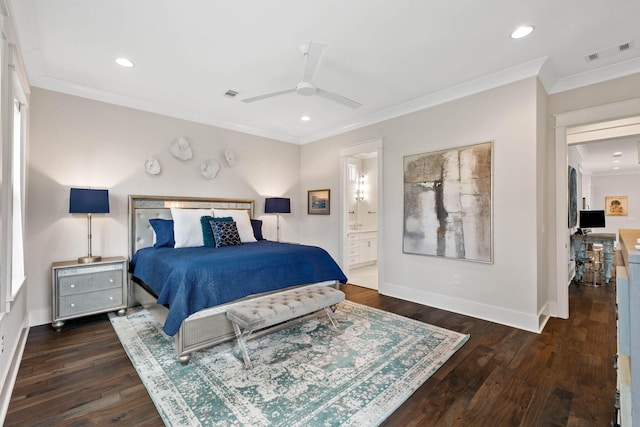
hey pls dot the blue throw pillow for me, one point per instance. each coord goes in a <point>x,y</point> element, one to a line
<point>207,233</point>
<point>256,224</point>
<point>225,233</point>
<point>164,232</point>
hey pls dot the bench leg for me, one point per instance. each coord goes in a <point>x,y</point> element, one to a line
<point>241,345</point>
<point>331,317</point>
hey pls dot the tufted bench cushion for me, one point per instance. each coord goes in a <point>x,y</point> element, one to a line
<point>275,309</point>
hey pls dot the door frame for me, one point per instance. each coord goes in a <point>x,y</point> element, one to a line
<point>351,151</point>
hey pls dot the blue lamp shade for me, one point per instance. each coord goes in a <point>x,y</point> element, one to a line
<point>277,205</point>
<point>88,201</point>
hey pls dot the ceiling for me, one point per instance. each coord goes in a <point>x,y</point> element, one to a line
<point>393,57</point>
<point>611,157</point>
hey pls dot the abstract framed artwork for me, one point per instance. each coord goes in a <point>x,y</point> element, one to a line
<point>616,205</point>
<point>448,203</point>
<point>319,202</point>
<point>573,197</point>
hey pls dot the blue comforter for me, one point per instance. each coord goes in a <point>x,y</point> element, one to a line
<point>190,279</point>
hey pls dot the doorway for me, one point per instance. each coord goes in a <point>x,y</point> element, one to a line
<point>572,128</point>
<point>361,185</point>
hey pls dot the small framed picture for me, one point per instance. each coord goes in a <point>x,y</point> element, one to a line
<point>616,205</point>
<point>319,202</point>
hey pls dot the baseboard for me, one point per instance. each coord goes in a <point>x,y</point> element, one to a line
<point>39,317</point>
<point>543,316</point>
<point>12,374</point>
<point>515,319</point>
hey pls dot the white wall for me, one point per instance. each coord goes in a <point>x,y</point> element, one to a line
<point>505,291</point>
<point>617,185</point>
<point>78,142</point>
<point>544,215</point>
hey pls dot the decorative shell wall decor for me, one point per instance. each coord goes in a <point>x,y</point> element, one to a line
<point>230,157</point>
<point>181,148</point>
<point>152,166</point>
<point>209,169</point>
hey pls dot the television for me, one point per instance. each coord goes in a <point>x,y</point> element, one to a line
<point>592,219</point>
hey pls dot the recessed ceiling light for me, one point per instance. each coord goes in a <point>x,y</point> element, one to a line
<point>305,118</point>
<point>124,62</point>
<point>617,154</point>
<point>615,168</point>
<point>617,161</point>
<point>522,31</point>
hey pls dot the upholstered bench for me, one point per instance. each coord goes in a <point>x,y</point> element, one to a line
<point>276,309</point>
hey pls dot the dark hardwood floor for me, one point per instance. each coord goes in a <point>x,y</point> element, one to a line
<point>500,377</point>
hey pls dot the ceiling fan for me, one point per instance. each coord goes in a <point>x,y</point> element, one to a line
<point>305,87</point>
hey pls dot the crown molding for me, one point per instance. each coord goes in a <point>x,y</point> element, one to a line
<point>491,81</point>
<point>538,67</point>
<point>598,75</point>
<point>59,85</point>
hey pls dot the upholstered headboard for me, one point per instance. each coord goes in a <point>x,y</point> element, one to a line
<point>144,208</point>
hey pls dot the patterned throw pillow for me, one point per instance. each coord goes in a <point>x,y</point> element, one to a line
<point>225,233</point>
<point>207,232</point>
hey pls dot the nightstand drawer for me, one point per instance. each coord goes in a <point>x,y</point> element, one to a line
<point>89,301</point>
<point>79,283</point>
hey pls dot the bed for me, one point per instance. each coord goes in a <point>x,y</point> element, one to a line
<point>191,299</point>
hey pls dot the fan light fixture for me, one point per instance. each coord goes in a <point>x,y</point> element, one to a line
<point>306,87</point>
<point>522,31</point>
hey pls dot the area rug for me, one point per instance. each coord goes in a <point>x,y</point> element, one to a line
<point>307,375</point>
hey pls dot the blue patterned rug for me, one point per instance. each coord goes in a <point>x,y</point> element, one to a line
<point>307,375</point>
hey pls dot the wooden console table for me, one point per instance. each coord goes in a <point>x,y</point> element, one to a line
<point>581,243</point>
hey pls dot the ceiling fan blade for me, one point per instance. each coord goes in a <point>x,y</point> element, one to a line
<point>313,58</point>
<point>338,98</point>
<point>268,95</point>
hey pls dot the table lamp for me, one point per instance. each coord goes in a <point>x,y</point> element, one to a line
<point>88,201</point>
<point>277,205</point>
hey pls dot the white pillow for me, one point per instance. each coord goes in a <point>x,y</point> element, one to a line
<point>242,220</point>
<point>187,230</point>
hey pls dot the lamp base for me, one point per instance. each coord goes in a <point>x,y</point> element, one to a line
<point>89,259</point>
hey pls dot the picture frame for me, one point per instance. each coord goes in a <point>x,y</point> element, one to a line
<point>448,203</point>
<point>616,205</point>
<point>319,202</point>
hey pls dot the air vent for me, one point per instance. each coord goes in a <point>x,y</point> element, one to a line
<point>609,51</point>
<point>231,93</point>
<point>624,47</point>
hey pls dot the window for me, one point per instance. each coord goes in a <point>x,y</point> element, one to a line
<point>13,180</point>
<point>17,217</point>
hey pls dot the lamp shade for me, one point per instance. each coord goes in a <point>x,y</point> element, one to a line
<point>88,201</point>
<point>277,205</point>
